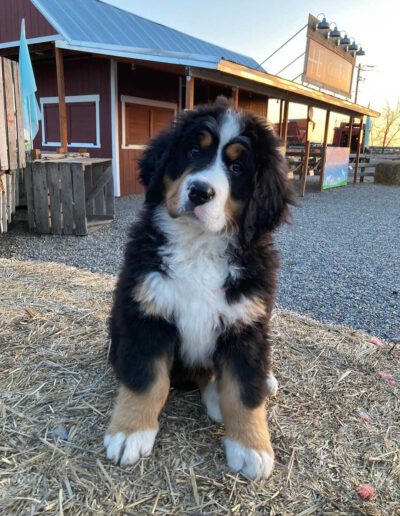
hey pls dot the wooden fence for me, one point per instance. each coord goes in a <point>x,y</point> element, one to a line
<point>12,141</point>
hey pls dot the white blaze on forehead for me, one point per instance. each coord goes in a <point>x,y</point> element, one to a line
<point>230,128</point>
<point>212,213</point>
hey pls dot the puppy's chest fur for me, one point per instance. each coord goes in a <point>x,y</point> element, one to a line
<point>192,294</point>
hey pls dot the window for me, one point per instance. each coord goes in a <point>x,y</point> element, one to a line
<point>143,119</point>
<point>83,121</point>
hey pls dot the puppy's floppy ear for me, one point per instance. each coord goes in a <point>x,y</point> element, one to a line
<point>272,193</point>
<point>153,163</point>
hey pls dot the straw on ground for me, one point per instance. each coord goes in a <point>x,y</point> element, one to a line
<point>56,393</point>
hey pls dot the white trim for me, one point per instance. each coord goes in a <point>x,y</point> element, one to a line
<point>134,147</point>
<point>179,59</point>
<point>72,99</point>
<point>31,41</point>
<point>115,126</point>
<point>126,99</point>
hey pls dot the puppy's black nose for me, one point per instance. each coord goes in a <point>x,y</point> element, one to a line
<point>200,193</point>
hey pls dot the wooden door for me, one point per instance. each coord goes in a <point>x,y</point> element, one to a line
<point>142,122</point>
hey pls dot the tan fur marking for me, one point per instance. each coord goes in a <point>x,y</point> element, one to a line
<point>248,426</point>
<point>138,412</point>
<point>172,191</point>
<point>205,139</point>
<point>233,212</point>
<point>234,150</point>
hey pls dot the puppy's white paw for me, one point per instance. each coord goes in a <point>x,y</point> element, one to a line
<point>252,463</point>
<point>272,385</point>
<point>210,399</point>
<point>127,449</point>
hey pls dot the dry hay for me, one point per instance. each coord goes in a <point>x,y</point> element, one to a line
<point>56,397</point>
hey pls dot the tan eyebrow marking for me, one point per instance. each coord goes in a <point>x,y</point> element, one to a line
<point>205,139</point>
<point>234,150</point>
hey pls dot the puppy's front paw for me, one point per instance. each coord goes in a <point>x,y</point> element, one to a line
<point>252,463</point>
<point>272,385</point>
<point>128,449</point>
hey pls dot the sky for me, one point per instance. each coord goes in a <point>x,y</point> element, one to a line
<point>258,27</point>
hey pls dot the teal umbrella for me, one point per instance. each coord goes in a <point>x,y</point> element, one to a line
<point>30,107</point>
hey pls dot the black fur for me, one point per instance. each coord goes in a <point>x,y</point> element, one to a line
<point>264,192</point>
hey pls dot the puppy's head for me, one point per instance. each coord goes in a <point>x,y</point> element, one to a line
<point>221,169</point>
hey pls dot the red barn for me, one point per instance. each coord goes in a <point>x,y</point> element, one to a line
<point>124,77</point>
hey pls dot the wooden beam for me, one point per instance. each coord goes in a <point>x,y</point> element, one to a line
<point>359,143</point>
<point>325,144</point>
<point>235,97</point>
<point>285,123</point>
<point>351,123</point>
<point>280,117</point>
<point>288,90</point>
<point>62,108</point>
<point>306,154</point>
<point>180,87</point>
<point>189,97</point>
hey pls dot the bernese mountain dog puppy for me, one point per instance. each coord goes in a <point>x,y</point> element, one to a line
<point>197,286</point>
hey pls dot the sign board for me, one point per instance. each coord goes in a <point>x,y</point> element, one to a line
<point>336,167</point>
<point>327,65</point>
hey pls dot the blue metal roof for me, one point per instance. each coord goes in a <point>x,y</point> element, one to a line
<point>94,23</point>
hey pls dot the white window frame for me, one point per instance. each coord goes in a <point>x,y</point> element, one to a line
<point>126,99</point>
<point>72,99</point>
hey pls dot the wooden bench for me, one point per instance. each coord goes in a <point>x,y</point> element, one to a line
<point>68,196</point>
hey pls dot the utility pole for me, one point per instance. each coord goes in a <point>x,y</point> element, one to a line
<point>365,68</point>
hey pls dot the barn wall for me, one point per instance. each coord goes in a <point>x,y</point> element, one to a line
<point>147,83</point>
<point>83,76</point>
<point>257,104</point>
<point>11,14</point>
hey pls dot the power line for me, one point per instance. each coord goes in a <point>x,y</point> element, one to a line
<point>286,42</point>
<point>291,62</point>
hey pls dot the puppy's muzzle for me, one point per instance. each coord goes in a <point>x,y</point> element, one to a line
<point>200,192</point>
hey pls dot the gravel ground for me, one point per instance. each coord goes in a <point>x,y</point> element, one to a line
<point>341,255</point>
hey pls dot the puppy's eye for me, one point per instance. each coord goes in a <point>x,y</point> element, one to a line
<point>194,151</point>
<point>236,168</point>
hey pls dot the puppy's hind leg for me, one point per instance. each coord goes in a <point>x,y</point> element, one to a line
<point>272,384</point>
<point>210,396</point>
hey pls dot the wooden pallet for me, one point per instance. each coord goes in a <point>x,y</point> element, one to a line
<point>62,194</point>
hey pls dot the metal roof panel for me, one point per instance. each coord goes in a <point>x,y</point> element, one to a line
<point>98,22</point>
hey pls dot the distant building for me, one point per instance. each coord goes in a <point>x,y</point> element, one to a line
<point>341,136</point>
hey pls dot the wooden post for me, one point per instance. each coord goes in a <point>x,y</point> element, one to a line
<point>180,87</point>
<point>280,116</point>
<point>306,154</point>
<point>266,108</point>
<point>189,98</point>
<point>235,97</point>
<point>359,143</point>
<point>10,114</point>
<point>325,144</point>
<point>62,108</point>
<point>351,124</point>
<point>285,123</point>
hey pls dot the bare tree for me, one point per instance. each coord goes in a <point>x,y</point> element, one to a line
<point>386,130</point>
